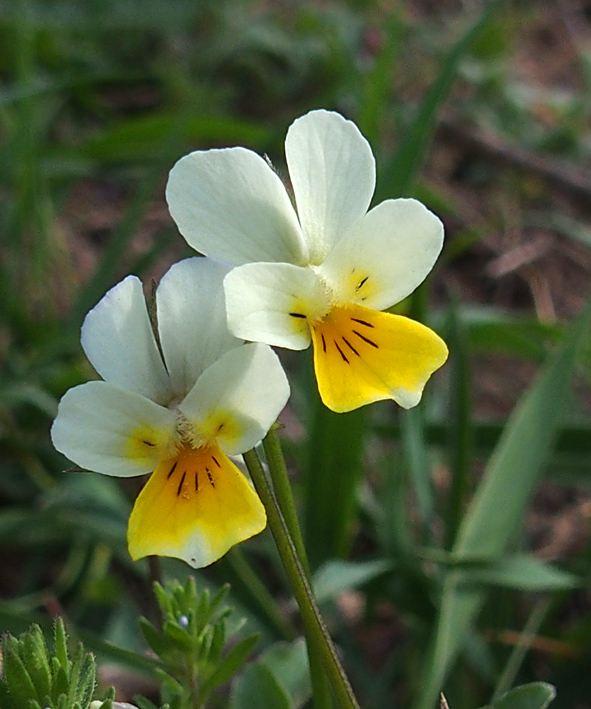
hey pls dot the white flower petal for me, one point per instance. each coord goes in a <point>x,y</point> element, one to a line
<point>237,399</point>
<point>192,319</point>
<point>110,430</point>
<point>332,171</point>
<point>386,255</point>
<point>229,204</point>
<point>118,340</point>
<point>273,303</point>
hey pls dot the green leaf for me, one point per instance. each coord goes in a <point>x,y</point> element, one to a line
<point>258,687</point>
<point>34,656</point>
<point>179,636</point>
<point>204,644</point>
<point>107,704</point>
<point>155,639</point>
<point>60,679</point>
<point>218,598</point>
<point>497,508</point>
<point>74,676</point>
<point>87,681</point>
<point>171,684</point>
<point>61,644</point>
<point>143,703</point>
<point>217,642</point>
<point>189,595</point>
<point>5,698</point>
<point>537,695</point>
<point>201,611</point>
<point>163,600</point>
<point>231,663</point>
<point>289,663</point>
<point>336,576</point>
<point>523,573</point>
<point>492,330</point>
<point>18,679</point>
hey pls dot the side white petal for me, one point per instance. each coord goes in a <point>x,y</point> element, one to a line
<point>229,204</point>
<point>332,171</point>
<point>386,255</point>
<point>192,319</point>
<point>118,340</point>
<point>273,303</point>
<point>237,399</point>
<point>110,430</point>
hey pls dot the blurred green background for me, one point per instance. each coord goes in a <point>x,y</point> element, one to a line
<point>450,542</point>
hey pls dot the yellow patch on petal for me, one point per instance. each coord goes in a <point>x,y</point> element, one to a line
<point>195,506</point>
<point>219,425</point>
<point>309,309</point>
<point>358,286</point>
<point>363,355</point>
<point>147,445</point>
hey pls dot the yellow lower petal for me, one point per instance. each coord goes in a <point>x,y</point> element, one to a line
<point>363,355</point>
<point>195,506</point>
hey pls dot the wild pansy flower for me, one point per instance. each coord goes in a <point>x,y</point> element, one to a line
<point>321,271</point>
<point>177,406</point>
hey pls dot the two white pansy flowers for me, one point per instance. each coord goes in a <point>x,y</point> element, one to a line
<point>322,272</point>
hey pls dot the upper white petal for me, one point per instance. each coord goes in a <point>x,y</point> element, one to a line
<point>229,204</point>
<point>112,431</point>
<point>192,319</point>
<point>261,296</point>
<point>118,340</point>
<point>386,255</point>
<point>238,398</point>
<point>332,171</point>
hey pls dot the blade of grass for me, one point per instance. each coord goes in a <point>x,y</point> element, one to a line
<point>412,427</point>
<point>141,138</point>
<point>393,520</point>
<point>399,174</point>
<point>332,474</point>
<point>111,264</point>
<point>497,507</point>
<point>574,440</point>
<point>378,82</point>
<point>460,427</point>
<point>520,650</point>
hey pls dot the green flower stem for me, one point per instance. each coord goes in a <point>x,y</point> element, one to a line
<point>316,630</point>
<point>283,494</point>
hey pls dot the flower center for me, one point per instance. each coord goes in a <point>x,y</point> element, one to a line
<point>150,446</point>
<point>347,332</point>
<point>190,469</point>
